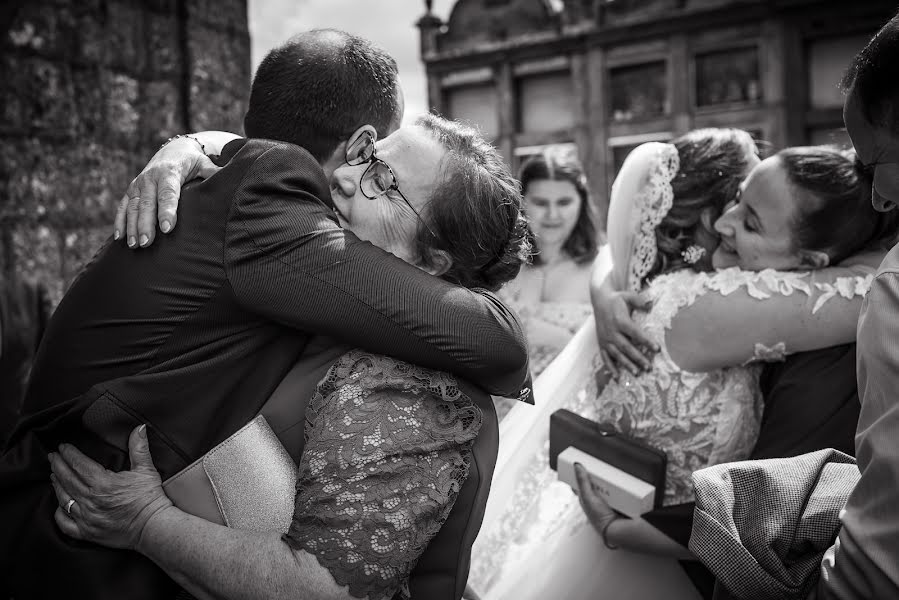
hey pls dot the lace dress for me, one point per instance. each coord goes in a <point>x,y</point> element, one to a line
<point>699,419</point>
<point>388,446</point>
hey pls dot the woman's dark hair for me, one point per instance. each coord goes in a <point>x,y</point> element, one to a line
<point>558,164</point>
<point>475,212</point>
<point>713,162</point>
<point>874,77</point>
<point>834,214</point>
<point>318,88</point>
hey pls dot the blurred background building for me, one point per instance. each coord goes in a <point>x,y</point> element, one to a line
<point>89,89</point>
<point>607,75</point>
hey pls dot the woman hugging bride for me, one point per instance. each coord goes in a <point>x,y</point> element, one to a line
<point>805,212</point>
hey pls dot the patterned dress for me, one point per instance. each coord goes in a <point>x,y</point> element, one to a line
<point>388,447</point>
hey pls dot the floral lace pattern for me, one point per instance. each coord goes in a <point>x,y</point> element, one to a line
<point>762,353</point>
<point>847,287</point>
<point>388,449</point>
<point>698,419</point>
<point>654,203</point>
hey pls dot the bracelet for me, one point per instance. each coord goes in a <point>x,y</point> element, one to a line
<point>602,534</point>
<point>184,135</point>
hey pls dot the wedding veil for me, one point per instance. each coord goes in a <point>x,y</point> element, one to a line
<point>641,197</point>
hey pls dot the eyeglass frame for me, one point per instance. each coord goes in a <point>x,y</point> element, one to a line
<point>372,160</point>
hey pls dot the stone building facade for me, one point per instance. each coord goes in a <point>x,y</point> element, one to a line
<point>89,89</point>
<point>607,75</point>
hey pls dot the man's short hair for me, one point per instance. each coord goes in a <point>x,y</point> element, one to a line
<point>874,77</point>
<point>318,88</point>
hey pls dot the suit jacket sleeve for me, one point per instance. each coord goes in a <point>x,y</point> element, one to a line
<point>864,563</point>
<point>287,258</point>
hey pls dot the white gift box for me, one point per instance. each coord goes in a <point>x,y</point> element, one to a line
<point>622,491</point>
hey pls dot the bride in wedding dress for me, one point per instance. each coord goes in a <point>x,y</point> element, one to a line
<point>535,541</point>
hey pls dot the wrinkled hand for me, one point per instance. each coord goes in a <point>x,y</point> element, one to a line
<point>153,195</point>
<point>618,336</point>
<point>110,508</point>
<point>594,505</point>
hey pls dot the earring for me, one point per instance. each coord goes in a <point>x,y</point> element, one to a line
<point>693,254</point>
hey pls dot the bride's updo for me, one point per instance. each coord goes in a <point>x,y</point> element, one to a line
<point>713,162</point>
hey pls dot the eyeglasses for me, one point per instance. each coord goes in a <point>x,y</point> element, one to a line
<point>378,179</point>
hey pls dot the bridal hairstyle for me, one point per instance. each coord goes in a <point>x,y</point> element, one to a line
<point>874,75</point>
<point>834,214</point>
<point>318,88</point>
<point>556,164</point>
<point>713,162</point>
<point>475,212</point>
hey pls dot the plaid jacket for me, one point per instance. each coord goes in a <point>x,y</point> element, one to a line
<point>763,526</point>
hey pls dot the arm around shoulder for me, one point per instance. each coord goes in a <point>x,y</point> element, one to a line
<point>288,258</point>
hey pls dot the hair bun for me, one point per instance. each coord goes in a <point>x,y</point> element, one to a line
<point>865,172</point>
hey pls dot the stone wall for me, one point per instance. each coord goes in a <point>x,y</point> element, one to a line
<point>89,89</point>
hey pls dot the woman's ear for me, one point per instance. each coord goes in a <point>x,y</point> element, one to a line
<point>813,259</point>
<point>439,262</point>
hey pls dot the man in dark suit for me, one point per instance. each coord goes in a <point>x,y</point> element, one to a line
<point>191,335</point>
<point>24,310</point>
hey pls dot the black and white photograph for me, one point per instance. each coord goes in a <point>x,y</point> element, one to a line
<point>449,299</point>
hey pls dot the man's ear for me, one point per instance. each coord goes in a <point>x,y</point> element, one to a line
<point>813,259</point>
<point>338,157</point>
<point>439,262</point>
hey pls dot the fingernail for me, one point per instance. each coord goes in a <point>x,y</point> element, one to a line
<point>131,242</point>
<point>117,235</point>
<point>142,431</point>
<point>166,227</point>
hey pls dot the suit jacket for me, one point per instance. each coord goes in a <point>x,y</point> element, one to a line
<point>193,334</point>
<point>24,310</point>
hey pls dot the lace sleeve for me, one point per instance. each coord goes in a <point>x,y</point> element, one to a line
<point>388,448</point>
<point>733,317</point>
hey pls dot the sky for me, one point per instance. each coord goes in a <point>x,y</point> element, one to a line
<point>388,23</point>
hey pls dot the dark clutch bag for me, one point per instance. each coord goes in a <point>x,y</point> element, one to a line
<point>600,440</point>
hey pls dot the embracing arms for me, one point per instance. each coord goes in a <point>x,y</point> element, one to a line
<point>288,258</point>
<point>768,315</point>
<point>370,497</point>
<point>743,316</point>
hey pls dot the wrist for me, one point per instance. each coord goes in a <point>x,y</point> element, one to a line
<point>156,523</point>
<point>607,533</point>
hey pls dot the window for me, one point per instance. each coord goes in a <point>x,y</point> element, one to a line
<point>827,60</point>
<point>476,105</point>
<point>728,77</point>
<point>545,102</point>
<point>639,92</point>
